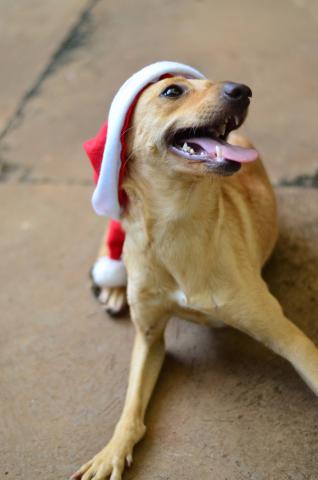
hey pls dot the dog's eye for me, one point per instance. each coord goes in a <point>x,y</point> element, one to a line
<point>173,91</point>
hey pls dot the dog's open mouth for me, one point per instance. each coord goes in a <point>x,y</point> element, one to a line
<point>208,144</point>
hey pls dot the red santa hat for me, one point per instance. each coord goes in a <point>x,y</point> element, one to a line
<point>107,153</point>
<point>107,198</point>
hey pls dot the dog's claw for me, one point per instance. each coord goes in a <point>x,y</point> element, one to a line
<point>116,474</point>
<point>129,460</point>
<point>79,473</point>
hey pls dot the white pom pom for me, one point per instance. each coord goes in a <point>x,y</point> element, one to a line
<point>109,273</point>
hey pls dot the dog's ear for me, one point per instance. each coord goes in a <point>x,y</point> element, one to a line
<point>94,149</point>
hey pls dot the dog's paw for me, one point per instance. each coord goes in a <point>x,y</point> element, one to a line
<point>110,462</point>
<point>114,300</point>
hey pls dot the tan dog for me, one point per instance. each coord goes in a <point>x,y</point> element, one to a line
<point>196,240</point>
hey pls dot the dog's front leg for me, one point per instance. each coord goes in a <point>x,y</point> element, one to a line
<point>256,312</point>
<point>147,358</point>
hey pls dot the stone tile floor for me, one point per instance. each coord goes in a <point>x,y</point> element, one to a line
<point>225,407</point>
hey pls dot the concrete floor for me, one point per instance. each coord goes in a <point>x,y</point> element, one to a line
<point>225,408</point>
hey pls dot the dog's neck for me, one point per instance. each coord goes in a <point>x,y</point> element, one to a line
<point>162,199</point>
<point>180,220</point>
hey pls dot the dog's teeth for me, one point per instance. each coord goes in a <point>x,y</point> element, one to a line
<point>218,151</point>
<point>187,149</point>
<point>222,129</point>
<point>237,120</point>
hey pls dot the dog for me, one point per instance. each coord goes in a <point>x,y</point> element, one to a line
<point>199,227</point>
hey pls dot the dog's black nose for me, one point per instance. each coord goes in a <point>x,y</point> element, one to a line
<point>236,91</point>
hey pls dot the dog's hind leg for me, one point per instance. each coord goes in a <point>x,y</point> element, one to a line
<point>147,358</point>
<point>109,277</point>
<point>258,313</point>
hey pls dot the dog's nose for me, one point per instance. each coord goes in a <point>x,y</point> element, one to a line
<point>236,91</point>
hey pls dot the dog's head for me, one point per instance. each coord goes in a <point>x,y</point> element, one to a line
<point>183,124</point>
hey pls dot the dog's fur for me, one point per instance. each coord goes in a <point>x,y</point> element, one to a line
<point>195,245</point>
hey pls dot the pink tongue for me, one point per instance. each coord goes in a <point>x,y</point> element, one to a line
<point>231,152</point>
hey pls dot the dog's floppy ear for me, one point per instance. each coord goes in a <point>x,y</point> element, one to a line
<point>94,149</point>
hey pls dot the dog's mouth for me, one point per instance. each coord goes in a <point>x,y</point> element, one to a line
<point>208,145</point>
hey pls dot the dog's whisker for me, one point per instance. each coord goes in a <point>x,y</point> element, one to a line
<point>133,152</point>
<point>128,129</point>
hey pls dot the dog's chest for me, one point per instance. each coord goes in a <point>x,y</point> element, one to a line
<point>189,257</point>
<point>204,309</point>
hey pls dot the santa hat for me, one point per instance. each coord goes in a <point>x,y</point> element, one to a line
<point>108,199</point>
<point>107,153</point>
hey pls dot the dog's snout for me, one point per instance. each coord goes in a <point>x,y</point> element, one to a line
<point>236,91</point>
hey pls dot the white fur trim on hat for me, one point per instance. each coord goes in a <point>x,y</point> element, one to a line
<point>105,198</point>
<point>109,273</point>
